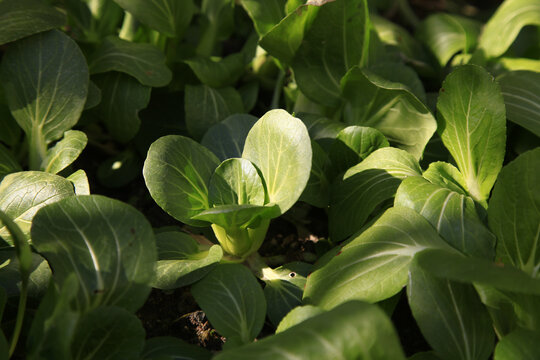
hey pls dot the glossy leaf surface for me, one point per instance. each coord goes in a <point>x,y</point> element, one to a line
<point>65,151</point>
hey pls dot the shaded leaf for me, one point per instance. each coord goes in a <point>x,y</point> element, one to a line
<point>226,139</point>
<point>8,164</point>
<point>265,14</point>
<point>317,191</point>
<point>168,347</point>
<point>298,315</point>
<point>520,344</point>
<point>218,73</point>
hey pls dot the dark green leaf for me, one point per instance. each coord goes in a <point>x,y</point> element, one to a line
<point>226,139</point>
<point>298,315</point>
<point>233,301</point>
<point>65,151</point>
<point>320,127</point>
<point>168,347</point>
<point>265,14</point>
<point>10,274</point>
<point>108,244</point>
<point>317,191</point>
<point>520,344</point>
<point>8,164</point>
<point>119,170</point>
<point>218,72</point>
<point>11,131</point>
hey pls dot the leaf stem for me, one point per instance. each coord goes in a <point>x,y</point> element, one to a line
<point>37,149</point>
<point>277,90</point>
<point>129,27</point>
<point>20,316</point>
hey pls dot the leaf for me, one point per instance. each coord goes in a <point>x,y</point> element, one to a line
<point>168,347</point>
<point>450,316</point>
<point>80,182</point>
<point>446,175</point>
<point>298,315</point>
<point>144,62</point>
<point>94,96</point>
<point>11,131</point>
<point>23,252</point>
<point>333,44</point>
<point>177,172</point>
<point>279,145</point>
<point>503,27</point>
<point>264,14</point>
<point>520,90</point>
<point>65,151</point>
<point>169,17</point>
<point>122,99</point>
<point>109,245</point>
<point>206,106</point>
<point>353,144</point>
<point>108,332</point>
<point>516,64</point>
<point>283,40</point>
<point>521,344</point>
<point>23,193</point>
<point>233,301</point>
<point>364,187</point>
<point>218,73</point>
<point>45,79</point>
<point>119,170</point>
<point>181,263</point>
<point>10,275</point>
<point>22,18</point>
<point>236,181</point>
<point>317,191</point>
<point>451,213</point>
<point>351,331</point>
<point>447,34</point>
<point>226,138</point>
<point>8,164</point>
<point>235,217</point>
<point>320,127</point>
<point>472,125</point>
<point>514,213</point>
<point>374,265</point>
<point>389,107</point>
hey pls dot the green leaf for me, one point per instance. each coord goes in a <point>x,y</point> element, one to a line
<point>10,275</point>
<point>65,151</point>
<point>279,145</point>
<point>235,216</point>
<point>317,191</point>
<point>168,347</point>
<point>218,73</point>
<point>521,344</point>
<point>206,106</point>
<point>119,170</point>
<point>22,194</point>
<point>389,107</point>
<point>11,131</point>
<point>181,262</point>
<point>380,255</point>
<point>514,213</point>
<point>122,99</point>
<point>450,315</point>
<point>333,44</point>
<point>144,62</point>
<point>8,164</point>
<point>447,34</point>
<point>451,213</point>
<point>520,90</point>
<point>94,96</point>
<point>472,125</point>
<point>366,186</point>
<point>177,172</point>
<point>22,18</point>
<point>320,127</point>
<point>298,315</point>
<point>108,244</point>
<point>516,64</point>
<point>425,355</point>
<point>80,182</point>
<point>236,181</point>
<point>446,175</point>
<point>45,78</point>
<point>108,332</point>
<point>265,14</point>
<point>353,144</point>
<point>504,26</point>
<point>169,17</point>
<point>22,249</point>
<point>456,267</point>
<point>351,331</point>
<point>233,301</point>
<point>226,138</point>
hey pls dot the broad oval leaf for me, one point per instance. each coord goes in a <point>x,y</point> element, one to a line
<point>218,73</point>
<point>109,245</point>
<point>22,194</point>
<point>366,186</point>
<point>122,99</point>
<point>21,18</point>
<point>354,330</point>
<point>8,164</point>
<point>65,151</point>
<point>514,213</point>
<point>279,145</point>
<point>504,26</point>
<point>389,107</point>
<point>169,17</point>
<point>10,276</point>
<point>236,181</point>
<point>450,315</point>
<point>472,126</point>
<point>177,172</point>
<point>226,139</point>
<point>45,78</point>
<point>298,315</point>
<point>181,263</point>
<point>235,217</point>
<point>233,301</point>
<point>451,213</point>
<point>264,14</point>
<point>108,332</point>
<point>145,62</point>
<point>317,191</point>
<point>320,127</point>
<point>206,106</point>
<point>521,90</point>
<point>447,34</point>
<point>520,344</point>
<point>374,265</point>
<point>168,347</point>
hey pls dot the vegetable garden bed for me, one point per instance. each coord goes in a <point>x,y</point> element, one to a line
<point>269,179</point>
